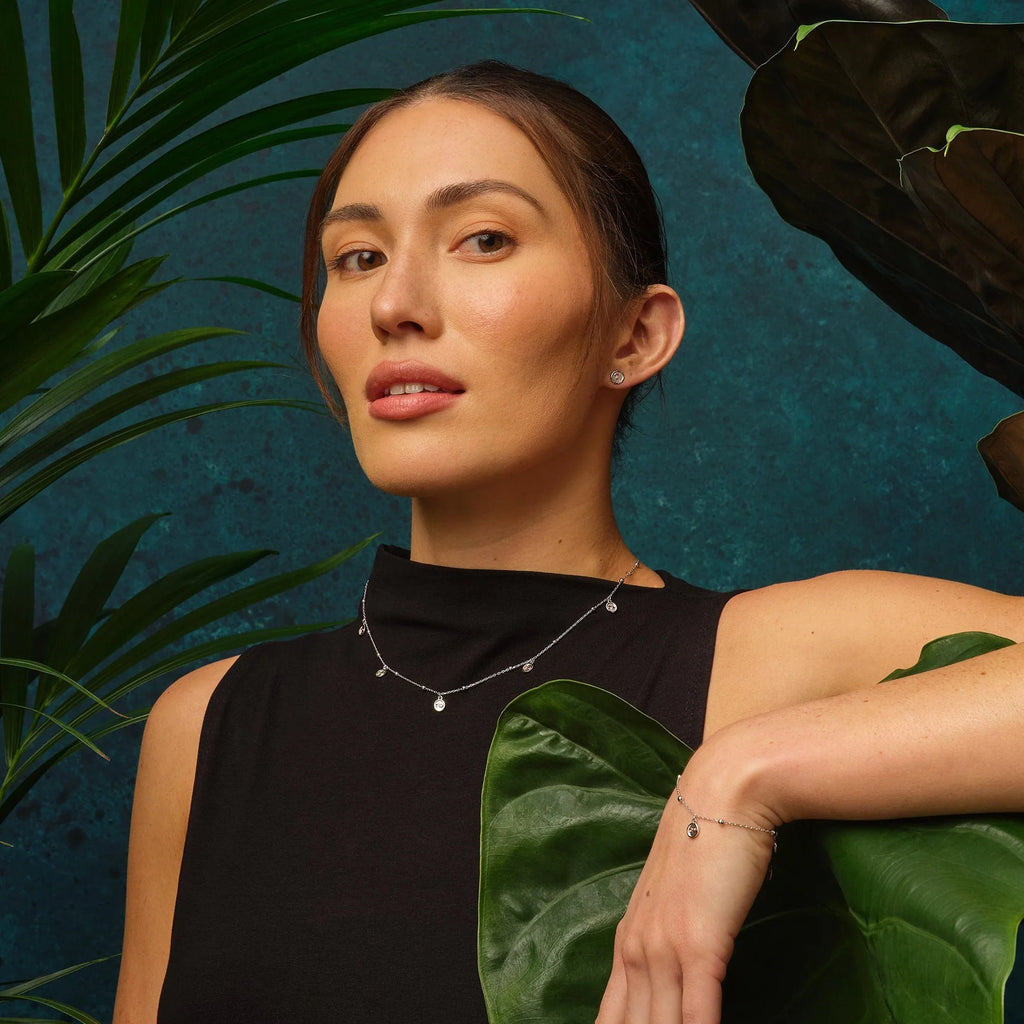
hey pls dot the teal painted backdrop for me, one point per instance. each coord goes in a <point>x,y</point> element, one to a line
<point>804,427</point>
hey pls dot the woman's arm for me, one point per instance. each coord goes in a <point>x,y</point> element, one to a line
<point>163,795</point>
<point>945,741</point>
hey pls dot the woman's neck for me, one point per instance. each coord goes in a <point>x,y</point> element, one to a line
<point>564,529</point>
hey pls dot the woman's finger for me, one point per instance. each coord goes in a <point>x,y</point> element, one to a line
<point>613,1002</point>
<point>638,981</point>
<point>702,997</point>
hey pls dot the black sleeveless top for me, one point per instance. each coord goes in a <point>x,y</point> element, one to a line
<point>331,860</point>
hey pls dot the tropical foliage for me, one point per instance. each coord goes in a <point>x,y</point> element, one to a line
<point>895,135</point>
<point>909,921</point>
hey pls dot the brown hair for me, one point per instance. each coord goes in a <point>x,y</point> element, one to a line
<point>594,164</point>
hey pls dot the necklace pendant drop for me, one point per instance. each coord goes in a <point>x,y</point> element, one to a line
<point>693,829</point>
<point>439,704</point>
<point>610,606</point>
<point>382,671</point>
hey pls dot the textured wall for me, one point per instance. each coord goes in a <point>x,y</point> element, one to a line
<point>805,426</point>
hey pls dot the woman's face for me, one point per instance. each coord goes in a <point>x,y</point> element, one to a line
<point>458,297</point>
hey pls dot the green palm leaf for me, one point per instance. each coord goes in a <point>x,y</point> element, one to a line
<point>6,251</point>
<point>17,137</point>
<point>49,343</point>
<point>98,372</point>
<point>38,668</point>
<point>143,609</point>
<point>79,248</point>
<point>129,35</point>
<point>229,72</point>
<point>39,481</point>
<point>85,601</point>
<point>213,142</point>
<point>62,726</point>
<point>22,988</point>
<point>108,219</point>
<point>17,613</point>
<point>102,571</point>
<point>220,608</point>
<point>95,274</point>
<point>68,89</point>
<point>260,286</point>
<point>24,301</point>
<point>130,397</point>
<point>154,34</point>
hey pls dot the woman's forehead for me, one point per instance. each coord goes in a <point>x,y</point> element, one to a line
<point>415,150</point>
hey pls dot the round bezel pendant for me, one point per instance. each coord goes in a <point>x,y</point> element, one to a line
<point>439,704</point>
<point>381,672</point>
<point>610,606</point>
<point>693,829</point>
<point>362,629</point>
<point>528,667</point>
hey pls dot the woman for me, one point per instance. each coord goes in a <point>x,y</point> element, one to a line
<point>304,837</point>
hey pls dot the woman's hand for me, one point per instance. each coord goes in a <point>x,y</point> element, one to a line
<point>676,938</point>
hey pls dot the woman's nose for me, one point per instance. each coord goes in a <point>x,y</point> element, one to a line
<point>405,302</point>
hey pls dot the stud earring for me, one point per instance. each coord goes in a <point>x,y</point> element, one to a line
<point>617,376</point>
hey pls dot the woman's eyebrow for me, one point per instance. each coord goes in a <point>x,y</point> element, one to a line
<point>440,199</point>
<point>460,191</point>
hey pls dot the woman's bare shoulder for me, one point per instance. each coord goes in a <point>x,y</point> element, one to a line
<point>829,634</point>
<point>163,796</point>
<point>182,706</point>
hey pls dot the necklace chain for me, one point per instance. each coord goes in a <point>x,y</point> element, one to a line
<point>526,665</point>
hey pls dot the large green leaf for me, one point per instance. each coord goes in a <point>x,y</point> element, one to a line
<point>970,194</point>
<point>824,127</point>
<point>757,29</point>
<point>1003,453</point>
<point>907,921</point>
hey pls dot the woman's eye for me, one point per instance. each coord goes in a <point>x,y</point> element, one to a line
<point>487,243</point>
<point>357,261</point>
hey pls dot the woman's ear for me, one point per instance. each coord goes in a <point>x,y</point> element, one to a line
<point>650,336</point>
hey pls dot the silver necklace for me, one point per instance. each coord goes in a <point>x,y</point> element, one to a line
<point>525,666</point>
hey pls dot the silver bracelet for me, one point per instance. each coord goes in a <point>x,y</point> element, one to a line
<point>693,829</point>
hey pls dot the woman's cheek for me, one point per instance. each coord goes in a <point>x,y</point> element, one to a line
<point>337,351</point>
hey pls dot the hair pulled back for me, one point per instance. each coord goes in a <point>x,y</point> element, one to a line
<point>594,164</point>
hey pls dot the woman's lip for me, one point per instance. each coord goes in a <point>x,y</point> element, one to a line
<point>410,407</point>
<point>408,371</point>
